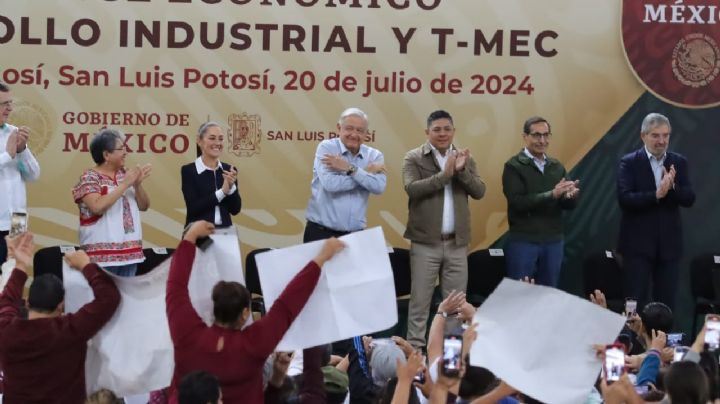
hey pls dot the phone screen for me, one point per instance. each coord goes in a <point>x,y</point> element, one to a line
<point>18,223</point>
<point>679,353</point>
<point>712,333</point>
<point>614,363</point>
<point>630,306</point>
<point>452,349</point>
<point>674,340</point>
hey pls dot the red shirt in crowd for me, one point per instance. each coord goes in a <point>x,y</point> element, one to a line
<point>235,357</point>
<point>44,359</point>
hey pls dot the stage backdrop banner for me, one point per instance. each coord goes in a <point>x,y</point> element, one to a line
<point>277,74</point>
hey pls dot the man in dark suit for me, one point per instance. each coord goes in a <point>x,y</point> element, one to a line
<point>652,184</point>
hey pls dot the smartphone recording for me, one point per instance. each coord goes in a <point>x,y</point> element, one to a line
<point>712,332</point>
<point>614,363</point>
<point>18,223</point>
<point>452,350</point>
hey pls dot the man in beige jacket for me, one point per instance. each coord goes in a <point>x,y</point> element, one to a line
<point>438,179</point>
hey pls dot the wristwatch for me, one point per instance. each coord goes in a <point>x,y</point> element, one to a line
<point>442,313</point>
<point>351,170</point>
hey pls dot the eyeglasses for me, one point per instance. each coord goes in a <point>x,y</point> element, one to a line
<point>354,129</point>
<point>537,135</point>
<point>6,104</point>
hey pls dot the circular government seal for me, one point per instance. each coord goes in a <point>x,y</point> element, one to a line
<point>696,60</point>
<point>37,119</point>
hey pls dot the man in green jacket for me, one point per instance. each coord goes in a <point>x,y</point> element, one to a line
<point>537,191</point>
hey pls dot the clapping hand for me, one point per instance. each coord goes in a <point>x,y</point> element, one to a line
<point>23,134</point>
<point>449,169</point>
<point>229,178</point>
<point>143,172</point>
<point>461,158</point>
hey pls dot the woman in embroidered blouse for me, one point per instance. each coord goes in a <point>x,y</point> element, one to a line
<point>209,186</point>
<point>110,198</point>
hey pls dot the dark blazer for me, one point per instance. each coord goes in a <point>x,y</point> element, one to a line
<point>651,227</point>
<point>199,194</point>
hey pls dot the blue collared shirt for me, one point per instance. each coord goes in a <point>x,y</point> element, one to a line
<point>540,164</point>
<point>339,201</point>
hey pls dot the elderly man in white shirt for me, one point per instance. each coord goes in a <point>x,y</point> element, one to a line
<point>17,165</point>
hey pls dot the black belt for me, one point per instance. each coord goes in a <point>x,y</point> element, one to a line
<point>446,237</point>
<point>327,229</point>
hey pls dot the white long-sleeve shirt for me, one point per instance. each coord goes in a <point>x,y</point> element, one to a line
<point>14,172</point>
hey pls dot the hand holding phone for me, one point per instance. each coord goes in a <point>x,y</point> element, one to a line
<point>674,339</point>
<point>614,366</point>
<point>452,351</point>
<point>18,223</point>
<point>679,353</point>
<point>630,306</point>
<point>712,331</point>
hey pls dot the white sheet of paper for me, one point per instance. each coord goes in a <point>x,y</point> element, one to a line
<point>133,353</point>
<point>539,340</point>
<point>354,296</point>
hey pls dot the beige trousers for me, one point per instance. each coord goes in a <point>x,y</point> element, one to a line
<point>427,261</point>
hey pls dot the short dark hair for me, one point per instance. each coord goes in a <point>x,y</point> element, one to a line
<point>104,141</point>
<point>475,382</point>
<point>532,121</point>
<point>4,87</point>
<point>685,382</point>
<point>46,293</point>
<point>229,301</point>
<point>198,388</point>
<point>439,114</point>
<point>656,316</point>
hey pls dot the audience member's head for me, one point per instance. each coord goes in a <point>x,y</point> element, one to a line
<point>685,382</point>
<point>231,304</point>
<point>383,362</point>
<point>199,388</point>
<point>656,316</point>
<point>709,364</point>
<point>386,395</point>
<point>475,382</point>
<point>46,295</point>
<point>103,396</point>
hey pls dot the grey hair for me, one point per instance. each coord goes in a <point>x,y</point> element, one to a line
<point>105,141</point>
<point>653,120</point>
<point>205,126</point>
<point>383,362</point>
<point>353,112</point>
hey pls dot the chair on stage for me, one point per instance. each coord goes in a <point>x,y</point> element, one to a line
<point>603,272</point>
<point>705,286</point>
<point>486,269</point>
<point>49,260</point>
<point>153,258</point>
<point>400,264</point>
<point>252,281</point>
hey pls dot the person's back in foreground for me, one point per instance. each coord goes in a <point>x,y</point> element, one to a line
<point>235,355</point>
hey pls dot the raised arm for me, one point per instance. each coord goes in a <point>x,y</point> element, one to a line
<point>21,248</point>
<point>267,332</point>
<point>183,319</point>
<point>87,321</point>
